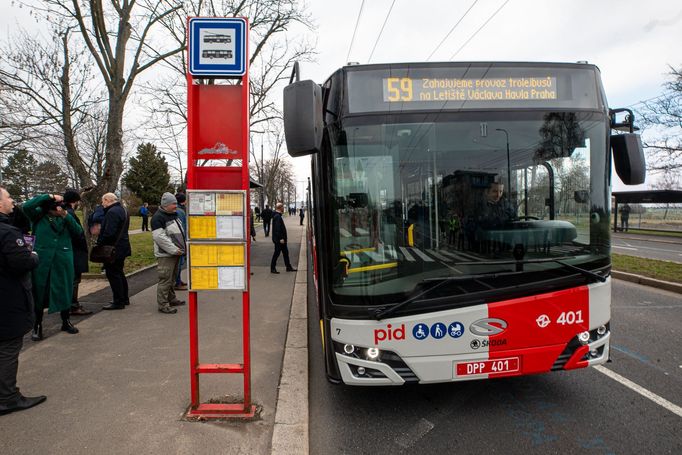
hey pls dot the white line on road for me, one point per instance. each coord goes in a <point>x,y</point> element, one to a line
<point>415,433</point>
<point>641,390</point>
<point>623,247</point>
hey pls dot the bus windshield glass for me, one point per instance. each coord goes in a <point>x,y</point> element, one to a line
<point>420,197</point>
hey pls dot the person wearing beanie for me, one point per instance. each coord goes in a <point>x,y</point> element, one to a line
<point>80,253</point>
<point>169,246</point>
<point>182,216</point>
<point>114,231</point>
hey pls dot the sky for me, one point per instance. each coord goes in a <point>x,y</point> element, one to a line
<point>633,42</point>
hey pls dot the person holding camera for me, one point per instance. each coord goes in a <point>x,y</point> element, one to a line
<point>114,232</point>
<point>53,228</point>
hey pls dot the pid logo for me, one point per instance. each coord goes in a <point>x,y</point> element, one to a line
<point>389,334</point>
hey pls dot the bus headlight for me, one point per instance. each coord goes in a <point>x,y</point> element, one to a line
<point>601,330</point>
<point>372,353</point>
<point>348,349</point>
<point>584,337</point>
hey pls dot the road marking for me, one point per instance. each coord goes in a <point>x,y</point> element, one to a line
<point>624,247</point>
<point>422,255</point>
<point>407,255</point>
<point>415,433</point>
<point>641,390</point>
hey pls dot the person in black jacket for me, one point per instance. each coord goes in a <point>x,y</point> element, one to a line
<point>266,216</point>
<point>80,254</point>
<point>114,231</point>
<point>279,238</point>
<point>16,307</point>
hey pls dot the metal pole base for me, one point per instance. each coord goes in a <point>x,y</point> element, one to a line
<point>221,411</point>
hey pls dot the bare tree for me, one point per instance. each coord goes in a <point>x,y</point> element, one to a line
<point>48,98</point>
<point>270,61</point>
<point>662,117</point>
<point>121,40</point>
<point>670,180</point>
<point>276,173</point>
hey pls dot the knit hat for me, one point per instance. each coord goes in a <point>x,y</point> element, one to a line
<point>168,199</point>
<point>71,196</point>
<point>181,198</point>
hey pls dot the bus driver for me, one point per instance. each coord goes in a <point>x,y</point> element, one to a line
<point>495,211</point>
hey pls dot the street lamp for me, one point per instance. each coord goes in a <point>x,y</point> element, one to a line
<point>506,134</point>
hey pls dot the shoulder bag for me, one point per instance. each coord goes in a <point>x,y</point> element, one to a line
<point>106,254</point>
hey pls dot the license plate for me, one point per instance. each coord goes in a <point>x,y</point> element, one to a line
<point>507,365</point>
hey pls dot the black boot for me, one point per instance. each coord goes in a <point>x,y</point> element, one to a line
<point>37,334</point>
<point>68,327</point>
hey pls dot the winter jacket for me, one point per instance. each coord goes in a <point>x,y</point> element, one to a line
<point>16,262</point>
<point>168,234</point>
<point>53,236</point>
<point>115,219</point>
<point>80,247</point>
<point>279,230</point>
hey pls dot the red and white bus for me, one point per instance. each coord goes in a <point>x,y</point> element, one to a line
<point>459,217</point>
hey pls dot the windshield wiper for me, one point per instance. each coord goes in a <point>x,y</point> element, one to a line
<point>381,313</point>
<point>560,261</point>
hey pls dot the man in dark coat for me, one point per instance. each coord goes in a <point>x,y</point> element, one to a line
<point>80,253</point>
<point>266,216</point>
<point>279,238</point>
<point>16,307</point>
<point>114,231</point>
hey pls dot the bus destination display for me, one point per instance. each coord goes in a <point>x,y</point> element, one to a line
<point>406,89</point>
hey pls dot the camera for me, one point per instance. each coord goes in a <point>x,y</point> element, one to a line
<point>52,205</point>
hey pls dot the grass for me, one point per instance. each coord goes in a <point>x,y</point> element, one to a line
<point>652,268</point>
<point>654,232</point>
<point>142,247</point>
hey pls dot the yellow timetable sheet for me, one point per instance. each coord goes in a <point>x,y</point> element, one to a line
<point>229,204</point>
<point>212,255</point>
<point>202,227</point>
<point>216,278</point>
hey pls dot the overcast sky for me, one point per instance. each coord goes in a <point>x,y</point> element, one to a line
<point>631,41</point>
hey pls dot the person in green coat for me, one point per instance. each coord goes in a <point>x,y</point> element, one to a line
<point>53,229</point>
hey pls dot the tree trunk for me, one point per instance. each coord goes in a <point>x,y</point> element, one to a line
<point>113,167</point>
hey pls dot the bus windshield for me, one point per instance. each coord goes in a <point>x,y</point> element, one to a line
<point>418,197</point>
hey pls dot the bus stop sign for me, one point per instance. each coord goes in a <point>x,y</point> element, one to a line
<point>217,46</point>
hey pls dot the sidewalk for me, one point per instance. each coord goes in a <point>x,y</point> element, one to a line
<point>122,384</point>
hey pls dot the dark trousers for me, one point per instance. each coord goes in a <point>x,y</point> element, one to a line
<point>9,364</point>
<point>284,249</point>
<point>117,281</point>
<point>76,282</point>
<point>145,223</point>
<point>266,227</point>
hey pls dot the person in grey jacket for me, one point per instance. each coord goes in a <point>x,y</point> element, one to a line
<point>169,246</point>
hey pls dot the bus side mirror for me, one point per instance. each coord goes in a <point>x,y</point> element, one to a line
<point>303,125</point>
<point>628,157</point>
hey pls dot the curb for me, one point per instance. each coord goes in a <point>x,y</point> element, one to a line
<point>290,434</point>
<point>646,281</point>
<point>97,276</point>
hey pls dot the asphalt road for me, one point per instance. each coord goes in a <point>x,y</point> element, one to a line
<point>647,248</point>
<point>581,411</point>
